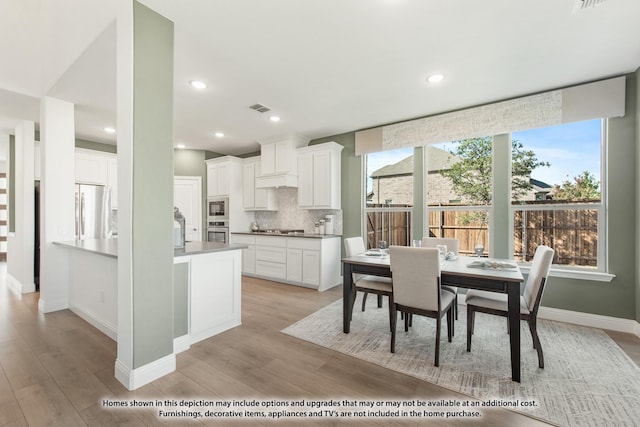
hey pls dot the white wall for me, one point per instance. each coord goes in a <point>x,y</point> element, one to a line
<point>20,244</point>
<point>57,213</point>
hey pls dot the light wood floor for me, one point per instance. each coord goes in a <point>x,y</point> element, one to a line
<point>56,369</point>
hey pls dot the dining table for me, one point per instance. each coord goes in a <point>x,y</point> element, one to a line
<point>487,274</point>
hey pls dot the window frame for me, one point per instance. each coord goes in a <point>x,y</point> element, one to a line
<point>601,271</point>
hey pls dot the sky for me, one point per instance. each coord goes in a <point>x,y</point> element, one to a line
<point>570,149</point>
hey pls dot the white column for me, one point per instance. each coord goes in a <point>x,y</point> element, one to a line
<point>145,195</point>
<point>20,245</point>
<point>57,203</point>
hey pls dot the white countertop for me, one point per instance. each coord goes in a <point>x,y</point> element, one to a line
<point>109,247</point>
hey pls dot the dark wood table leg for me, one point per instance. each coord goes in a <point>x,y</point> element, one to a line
<point>513,293</point>
<point>347,284</point>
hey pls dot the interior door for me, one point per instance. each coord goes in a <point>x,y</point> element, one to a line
<point>187,196</point>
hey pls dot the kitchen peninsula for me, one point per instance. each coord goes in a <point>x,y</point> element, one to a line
<point>207,284</point>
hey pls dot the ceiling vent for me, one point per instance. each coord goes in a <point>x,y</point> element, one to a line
<point>584,4</point>
<point>260,108</point>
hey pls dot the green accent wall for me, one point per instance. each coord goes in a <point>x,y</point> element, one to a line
<point>180,299</point>
<point>419,216</point>
<point>152,181</point>
<point>97,146</point>
<point>636,91</point>
<point>501,194</point>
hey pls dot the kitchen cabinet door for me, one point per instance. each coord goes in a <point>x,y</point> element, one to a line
<point>91,168</point>
<point>218,180</point>
<point>311,268</point>
<point>223,179</point>
<point>212,180</point>
<point>321,179</point>
<point>248,186</point>
<point>294,265</point>
<point>305,180</point>
<point>268,159</point>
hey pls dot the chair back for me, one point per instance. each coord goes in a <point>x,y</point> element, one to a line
<point>354,246</point>
<point>538,274</point>
<point>453,245</point>
<point>416,277</point>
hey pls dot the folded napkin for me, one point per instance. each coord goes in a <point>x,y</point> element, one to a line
<point>492,264</point>
<point>377,253</point>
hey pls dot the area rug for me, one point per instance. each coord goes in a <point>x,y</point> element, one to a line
<point>587,380</point>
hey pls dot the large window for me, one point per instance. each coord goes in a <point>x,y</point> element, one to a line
<point>458,182</point>
<point>562,205</point>
<point>555,196</point>
<point>389,187</point>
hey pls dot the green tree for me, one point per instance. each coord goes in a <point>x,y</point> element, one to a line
<point>583,187</point>
<point>471,174</point>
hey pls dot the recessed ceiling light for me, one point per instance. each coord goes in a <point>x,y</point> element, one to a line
<point>181,146</point>
<point>219,134</point>
<point>274,118</point>
<point>109,130</point>
<point>435,78</point>
<point>198,84</point>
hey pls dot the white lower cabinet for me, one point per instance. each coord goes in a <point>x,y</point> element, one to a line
<point>294,265</point>
<point>304,261</point>
<point>271,257</point>
<point>248,254</point>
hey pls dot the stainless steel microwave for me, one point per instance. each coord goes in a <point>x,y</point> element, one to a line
<point>218,209</point>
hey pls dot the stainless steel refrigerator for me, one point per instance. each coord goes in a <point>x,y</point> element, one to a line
<point>93,212</point>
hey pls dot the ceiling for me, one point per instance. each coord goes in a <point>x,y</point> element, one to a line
<point>325,67</point>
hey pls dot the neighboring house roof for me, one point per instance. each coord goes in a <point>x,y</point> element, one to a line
<point>539,184</point>
<point>437,160</point>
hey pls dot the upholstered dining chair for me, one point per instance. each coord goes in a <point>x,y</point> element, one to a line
<point>453,245</point>
<point>495,303</point>
<point>416,290</point>
<point>365,283</point>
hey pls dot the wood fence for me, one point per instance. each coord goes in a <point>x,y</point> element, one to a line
<point>573,233</point>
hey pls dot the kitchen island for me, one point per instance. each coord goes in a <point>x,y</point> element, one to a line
<point>207,285</point>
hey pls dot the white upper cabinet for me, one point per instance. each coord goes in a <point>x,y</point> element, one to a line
<point>319,176</point>
<point>98,168</point>
<point>278,161</point>
<point>218,177</point>
<point>91,167</point>
<point>253,198</point>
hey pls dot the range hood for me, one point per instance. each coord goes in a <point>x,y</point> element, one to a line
<point>275,181</point>
<point>279,162</point>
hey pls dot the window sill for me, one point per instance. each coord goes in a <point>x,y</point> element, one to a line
<point>596,276</point>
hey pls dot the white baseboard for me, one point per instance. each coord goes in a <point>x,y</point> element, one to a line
<point>49,306</point>
<point>592,320</point>
<point>181,344</point>
<point>106,328</point>
<point>133,379</point>
<point>586,319</point>
<point>17,286</point>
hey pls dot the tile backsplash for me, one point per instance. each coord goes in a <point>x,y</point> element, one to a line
<point>290,216</point>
